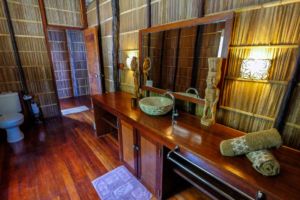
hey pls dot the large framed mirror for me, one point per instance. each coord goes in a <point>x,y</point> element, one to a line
<point>178,54</point>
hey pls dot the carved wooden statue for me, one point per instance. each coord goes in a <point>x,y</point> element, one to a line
<point>136,75</point>
<point>146,68</point>
<point>211,91</point>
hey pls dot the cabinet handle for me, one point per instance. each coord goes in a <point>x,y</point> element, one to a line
<point>260,196</point>
<point>135,147</point>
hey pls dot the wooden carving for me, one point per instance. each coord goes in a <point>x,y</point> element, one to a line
<point>146,69</point>
<point>136,74</point>
<point>211,91</point>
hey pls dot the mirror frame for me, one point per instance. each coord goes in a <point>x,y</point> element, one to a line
<point>224,17</point>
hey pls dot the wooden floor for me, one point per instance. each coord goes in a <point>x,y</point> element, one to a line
<point>58,160</point>
<point>75,101</point>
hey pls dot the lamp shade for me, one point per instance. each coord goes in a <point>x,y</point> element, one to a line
<point>257,69</point>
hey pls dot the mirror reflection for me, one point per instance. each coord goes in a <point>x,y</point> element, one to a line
<point>178,58</point>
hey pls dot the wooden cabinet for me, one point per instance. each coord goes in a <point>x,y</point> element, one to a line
<point>128,146</point>
<point>141,156</point>
<point>150,164</point>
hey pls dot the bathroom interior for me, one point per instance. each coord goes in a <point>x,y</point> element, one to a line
<point>149,99</point>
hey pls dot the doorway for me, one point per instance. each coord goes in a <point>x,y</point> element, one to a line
<point>68,54</point>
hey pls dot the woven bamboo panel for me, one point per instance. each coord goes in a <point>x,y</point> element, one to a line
<point>261,99</point>
<point>63,12</point>
<point>279,25</point>
<point>28,28</point>
<point>9,77</point>
<point>246,123</point>
<point>213,6</point>
<point>91,14</point>
<point>175,10</point>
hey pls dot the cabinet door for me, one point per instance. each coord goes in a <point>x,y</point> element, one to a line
<point>150,161</point>
<point>128,153</point>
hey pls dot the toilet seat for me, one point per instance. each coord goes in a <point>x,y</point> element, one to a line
<point>11,119</point>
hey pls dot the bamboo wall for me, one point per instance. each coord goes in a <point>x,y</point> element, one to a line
<point>61,63</point>
<point>245,105</point>
<point>258,108</point>
<point>30,38</point>
<point>133,16</point>
<point>63,12</point>
<point>9,78</point>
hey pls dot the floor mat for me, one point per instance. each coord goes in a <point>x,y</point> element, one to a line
<point>120,184</point>
<point>74,110</point>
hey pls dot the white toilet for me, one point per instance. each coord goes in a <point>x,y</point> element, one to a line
<point>10,116</point>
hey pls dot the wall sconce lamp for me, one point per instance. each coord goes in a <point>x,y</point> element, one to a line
<point>128,62</point>
<point>256,69</point>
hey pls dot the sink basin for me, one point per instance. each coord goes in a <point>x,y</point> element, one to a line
<point>156,105</point>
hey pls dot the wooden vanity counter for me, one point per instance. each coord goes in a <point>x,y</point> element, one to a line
<point>201,145</point>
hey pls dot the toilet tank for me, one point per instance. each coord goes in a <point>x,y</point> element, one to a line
<point>10,103</point>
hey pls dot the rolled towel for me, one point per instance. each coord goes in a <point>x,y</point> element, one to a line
<point>264,162</point>
<point>251,142</point>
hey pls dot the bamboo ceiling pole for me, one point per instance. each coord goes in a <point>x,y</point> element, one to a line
<point>116,36</point>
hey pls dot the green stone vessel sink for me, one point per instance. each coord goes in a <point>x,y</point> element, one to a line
<point>156,105</point>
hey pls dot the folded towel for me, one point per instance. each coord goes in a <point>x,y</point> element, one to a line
<point>264,162</point>
<point>251,142</point>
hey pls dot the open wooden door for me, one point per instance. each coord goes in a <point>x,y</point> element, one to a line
<point>92,50</point>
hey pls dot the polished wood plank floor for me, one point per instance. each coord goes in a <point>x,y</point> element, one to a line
<point>57,160</point>
<point>75,101</point>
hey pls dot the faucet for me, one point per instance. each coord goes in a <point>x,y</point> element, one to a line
<point>174,111</point>
<point>193,89</point>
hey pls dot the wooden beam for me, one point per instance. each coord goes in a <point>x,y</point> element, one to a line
<point>60,27</point>
<point>176,95</point>
<point>116,36</point>
<point>149,24</point>
<point>101,63</point>
<point>83,18</point>
<point>192,22</point>
<point>176,59</point>
<point>284,106</point>
<point>15,47</point>
<point>45,29</point>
